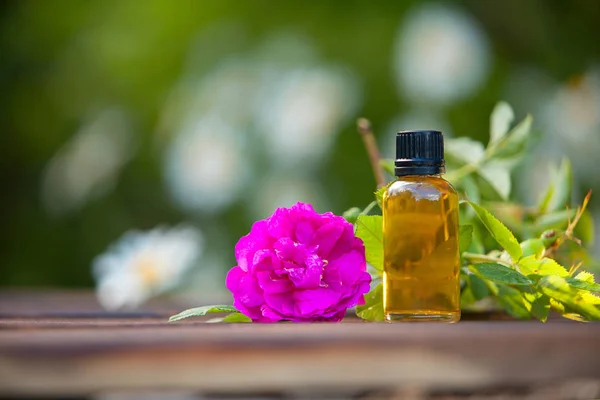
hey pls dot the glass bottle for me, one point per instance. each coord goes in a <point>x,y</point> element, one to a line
<point>420,234</point>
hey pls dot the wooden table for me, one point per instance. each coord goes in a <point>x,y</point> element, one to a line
<point>63,344</point>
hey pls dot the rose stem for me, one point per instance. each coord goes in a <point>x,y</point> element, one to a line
<point>363,126</point>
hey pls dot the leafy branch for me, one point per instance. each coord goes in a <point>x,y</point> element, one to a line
<point>524,277</point>
<point>503,144</point>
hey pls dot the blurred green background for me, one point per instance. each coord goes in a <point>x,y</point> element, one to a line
<point>102,102</point>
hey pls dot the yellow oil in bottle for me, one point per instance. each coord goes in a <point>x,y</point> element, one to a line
<point>421,257</point>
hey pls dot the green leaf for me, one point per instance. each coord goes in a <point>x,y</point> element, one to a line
<point>515,141</point>
<point>471,189</point>
<point>579,284</point>
<point>557,306</point>
<point>478,287</point>
<point>574,317</point>
<point>500,121</point>
<point>202,311</point>
<point>540,307</point>
<point>498,176</point>
<point>558,289</point>
<point>503,236</point>
<point>486,190</point>
<point>589,297</point>
<point>511,214</point>
<point>466,294</point>
<point>369,228</point>
<point>477,243</point>
<point>544,267</point>
<point>563,184</point>
<point>388,166</point>
<point>585,276</point>
<point>237,318</point>
<point>565,311</point>
<point>560,308</point>
<point>372,310</point>
<point>512,301</point>
<point>463,150</point>
<point>466,297</point>
<point>501,274</point>
<point>352,214</point>
<point>533,247</point>
<point>465,235</point>
<point>550,267</point>
<point>546,198</point>
<point>527,263</point>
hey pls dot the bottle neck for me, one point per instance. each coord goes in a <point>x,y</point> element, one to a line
<point>413,178</point>
<point>421,170</point>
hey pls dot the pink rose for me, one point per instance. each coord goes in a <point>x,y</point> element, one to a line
<point>300,266</point>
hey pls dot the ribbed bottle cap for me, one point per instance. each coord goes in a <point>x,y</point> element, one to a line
<point>419,153</point>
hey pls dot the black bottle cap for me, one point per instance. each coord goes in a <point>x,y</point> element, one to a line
<point>419,153</point>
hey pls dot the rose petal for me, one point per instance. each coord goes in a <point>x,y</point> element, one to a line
<point>308,277</point>
<point>336,317</point>
<point>314,301</point>
<point>232,281</point>
<point>247,246</point>
<point>262,260</point>
<point>345,243</point>
<point>273,284</point>
<point>350,266</point>
<point>288,250</point>
<point>303,209</point>
<point>269,314</point>
<point>304,232</point>
<point>278,224</point>
<point>244,287</point>
<point>283,303</point>
<point>326,237</point>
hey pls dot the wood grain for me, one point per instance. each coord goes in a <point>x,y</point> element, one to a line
<point>78,356</point>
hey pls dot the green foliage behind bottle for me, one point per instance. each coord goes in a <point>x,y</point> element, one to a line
<point>512,256</point>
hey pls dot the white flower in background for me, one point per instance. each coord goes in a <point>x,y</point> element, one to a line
<point>568,116</point>
<point>277,102</point>
<point>87,166</point>
<point>142,265</point>
<point>573,115</point>
<point>228,92</point>
<point>415,119</point>
<point>302,112</point>
<point>441,55</point>
<point>571,120</point>
<point>206,166</point>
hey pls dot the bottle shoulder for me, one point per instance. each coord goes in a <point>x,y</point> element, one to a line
<point>424,185</point>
